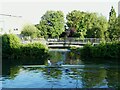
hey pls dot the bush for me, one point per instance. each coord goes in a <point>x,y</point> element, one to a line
<point>103,50</point>
<point>36,50</point>
<point>32,53</point>
<point>10,44</point>
<point>30,30</point>
<point>98,51</point>
<point>86,51</point>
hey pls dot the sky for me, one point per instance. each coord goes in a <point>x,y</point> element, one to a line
<point>32,10</point>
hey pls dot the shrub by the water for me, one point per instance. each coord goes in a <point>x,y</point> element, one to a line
<point>108,50</point>
<point>10,45</point>
<point>34,50</point>
<point>74,52</point>
<point>86,51</point>
<point>32,53</point>
<point>103,50</point>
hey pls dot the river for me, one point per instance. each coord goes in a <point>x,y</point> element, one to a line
<point>100,73</point>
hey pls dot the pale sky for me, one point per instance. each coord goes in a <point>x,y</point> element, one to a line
<point>33,10</point>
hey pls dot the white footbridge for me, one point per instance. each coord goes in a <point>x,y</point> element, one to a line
<point>69,42</point>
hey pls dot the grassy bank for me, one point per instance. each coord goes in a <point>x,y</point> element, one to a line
<point>12,49</point>
<point>103,50</point>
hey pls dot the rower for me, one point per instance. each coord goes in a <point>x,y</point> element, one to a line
<point>49,62</point>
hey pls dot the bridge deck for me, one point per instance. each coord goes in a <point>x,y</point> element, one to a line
<point>60,50</point>
<point>71,66</point>
<point>64,46</point>
<point>69,42</point>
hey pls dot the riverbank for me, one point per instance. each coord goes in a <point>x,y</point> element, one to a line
<point>14,50</point>
<point>103,50</point>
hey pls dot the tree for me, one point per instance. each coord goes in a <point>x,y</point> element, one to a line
<point>52,24</point>
<point>116,32</point>
<point>75,20</point>
<point>30,30</point>
<point>99,28</point>
<point>112,22</point>
<point>87,24</point>
<point>71,32</point>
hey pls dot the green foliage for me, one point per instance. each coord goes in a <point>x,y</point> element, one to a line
<point>10,44</point>
<point>36,50</point>
<point>98,29</point>
<point>112,25</point>
<point>75,19</point>
<point>12,49</point>
<point>51,24</point>
<point>86,51</point>
<point>33,53</point>
<point>116,32</point>
<point>87,24</point>
<point>103,50</point>
<point>74,52</point>
<point>10,40</point>
<point>30,30</point>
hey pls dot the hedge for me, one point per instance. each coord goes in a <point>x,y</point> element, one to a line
<point>103,50</point>
<point>23,53</point>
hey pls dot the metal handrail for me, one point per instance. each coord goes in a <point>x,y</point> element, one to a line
<point>93,40</point>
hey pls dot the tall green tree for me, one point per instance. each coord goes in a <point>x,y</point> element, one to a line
<point>99,28</point>
<point>112,24</point>
<point>117,30</point>
<point>90,25</point>
<point>75,19</point>
<point>52,24</point>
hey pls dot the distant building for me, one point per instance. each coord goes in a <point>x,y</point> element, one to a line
<point>10,24</point>
<point>119,8</point>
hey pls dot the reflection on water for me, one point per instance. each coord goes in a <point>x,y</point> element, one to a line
<point>66,56</point>
<point>87,77</point>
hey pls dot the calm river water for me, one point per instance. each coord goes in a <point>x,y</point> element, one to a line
<point>99,74</point>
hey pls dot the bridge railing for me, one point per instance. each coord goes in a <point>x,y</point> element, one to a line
<point>85,40</point>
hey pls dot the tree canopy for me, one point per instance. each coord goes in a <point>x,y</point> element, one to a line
<point>87,24</point>
<point>116,33</point>
<point>30,30</point>
<point>51,24</point>
<point>80,24</point>
<point>112,24</point>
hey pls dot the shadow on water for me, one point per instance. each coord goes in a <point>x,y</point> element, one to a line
<point>10,67</point>
<point>87,77</point>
